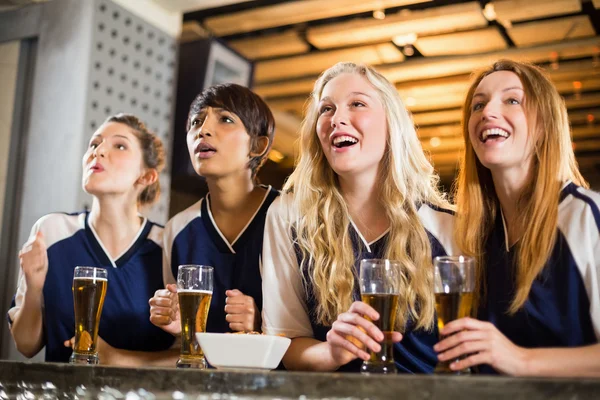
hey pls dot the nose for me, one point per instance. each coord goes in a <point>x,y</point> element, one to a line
<point>100,150</point>
<point>490,111</point>
<point>204,129</point>
<point>339,118</point>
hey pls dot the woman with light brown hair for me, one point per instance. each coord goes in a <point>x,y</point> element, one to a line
<point>527,215</point>
<point>363,188</point>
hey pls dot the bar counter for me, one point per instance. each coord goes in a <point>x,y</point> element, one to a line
<point>49,381</point>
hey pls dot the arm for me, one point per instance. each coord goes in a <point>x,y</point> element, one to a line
<point>109,355</point>
<point>27,325</point>
<point>350,336</point>
<point>483,343</point>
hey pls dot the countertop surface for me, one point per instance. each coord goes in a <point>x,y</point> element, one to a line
<point>48,380</point>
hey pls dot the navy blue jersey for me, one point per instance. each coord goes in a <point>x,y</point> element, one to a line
<point>289,304</point>
<point>133,277</point>
<point>192,237</point>
<point>563,307</point>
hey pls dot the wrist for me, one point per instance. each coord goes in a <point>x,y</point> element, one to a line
<point>527,363</point>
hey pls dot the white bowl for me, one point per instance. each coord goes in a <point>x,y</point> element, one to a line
<point>243,351</point>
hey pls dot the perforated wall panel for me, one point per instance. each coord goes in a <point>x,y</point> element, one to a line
<point>132,70</point>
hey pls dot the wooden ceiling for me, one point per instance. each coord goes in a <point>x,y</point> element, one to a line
<point>427,48</point>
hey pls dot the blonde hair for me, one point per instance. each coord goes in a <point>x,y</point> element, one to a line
<point>323,219</point>
<point>553,164</point>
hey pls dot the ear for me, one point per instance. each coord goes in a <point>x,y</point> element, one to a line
<point>149,176</point>
<point>262,144</point>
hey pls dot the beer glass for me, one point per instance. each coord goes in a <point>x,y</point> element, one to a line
<point>380,288</point>
<point>454,280</point>
<point>194,290</point>
<point>89,290</point>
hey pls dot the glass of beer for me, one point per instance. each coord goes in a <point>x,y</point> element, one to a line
<point>380,288</point>
<point>89,290</point>
<point>194,290</point>
<point>454,279</point>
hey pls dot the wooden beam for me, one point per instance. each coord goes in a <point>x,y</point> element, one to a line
<point>414,69</point>
<point>294,12</point>
<point>315,63</point>
<point>471,42</point>
<point>423,22</point>
<point>437,117</point>
<point>540,32</point>
<point>523,10</point>
<point>281,44</point>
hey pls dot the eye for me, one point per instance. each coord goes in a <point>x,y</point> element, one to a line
<point>357,104</point>
<point>477,106</point>
<point>514,101</point>
<point>93,145</point>
<point>121,147</point>
<point>195,122</point>
<point>325,109</point>
<point>226,119</point>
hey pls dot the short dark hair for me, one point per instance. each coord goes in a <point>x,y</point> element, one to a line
<point>152,151</point>
<point>252,110</point>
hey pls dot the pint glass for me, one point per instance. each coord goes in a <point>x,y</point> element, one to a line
<point>194,290</point>
<point>89,290</point>
<point>454,279</point>
<point>380,288</point>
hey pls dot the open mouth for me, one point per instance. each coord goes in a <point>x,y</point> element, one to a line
<point>342,141</point>
<point>494,134</point>
<point>204,148</point>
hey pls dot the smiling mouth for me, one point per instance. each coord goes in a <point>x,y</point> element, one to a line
<point>340,142</point>
<point>493,134</point>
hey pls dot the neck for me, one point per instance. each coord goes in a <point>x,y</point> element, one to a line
<point>229,194</point>
<point>510,185</point>
<point>116,221</point>
<point>362,196</point>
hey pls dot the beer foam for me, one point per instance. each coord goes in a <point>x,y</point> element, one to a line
<point>194,291</point>
<point>89,278</point>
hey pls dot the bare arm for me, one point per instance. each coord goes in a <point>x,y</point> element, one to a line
<point>308,354</point>
<point>27,326</point>
<point>483,343</point>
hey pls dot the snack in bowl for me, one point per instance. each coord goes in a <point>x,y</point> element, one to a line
<point>243,349</point>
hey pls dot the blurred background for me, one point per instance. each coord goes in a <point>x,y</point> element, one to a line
<point>66,65</point>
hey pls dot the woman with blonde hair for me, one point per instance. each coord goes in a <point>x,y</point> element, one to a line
<point>363,188</point>
<point>526,213</point>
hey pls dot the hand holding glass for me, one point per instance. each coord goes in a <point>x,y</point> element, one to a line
<point>380,289</point>
<point>194,290</point>
<point>454,279</point>
<point>89,290</point>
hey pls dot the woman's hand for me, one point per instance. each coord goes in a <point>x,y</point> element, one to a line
<point>164,310</point>
<point>352,335</point>
<point>34,262</point>
<point>481,343</point>
<point>242,312</point>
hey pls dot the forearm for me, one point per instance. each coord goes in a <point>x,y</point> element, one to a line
<point>130,358</point>
<point>27,326</point>
<point>308,354</point>
<point>564,362</point>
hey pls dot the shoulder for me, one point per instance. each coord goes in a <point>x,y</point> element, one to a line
<point>579,205</point>
<point>59,226</point>
<point>439,222</point>
<point>181,220</point>
<point>155,233</point>
<point>281,208</point>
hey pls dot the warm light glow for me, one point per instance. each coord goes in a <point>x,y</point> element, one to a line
<point>411,101</point>
<point>403,40</point>
<point>408,50</point>
<point>489,12</point>
<point>276,156</point>
<point>590,118</point>
<point>379,14</point>
<point>435,141</point>
<point>577,85</point>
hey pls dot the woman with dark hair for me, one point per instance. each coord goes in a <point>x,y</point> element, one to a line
<point>120,171</point>
<point>229,133</point>
<point>527,215</point>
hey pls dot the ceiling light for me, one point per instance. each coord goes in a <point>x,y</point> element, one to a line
<point>379,14</point>
<point>276,156</point>
<point>489,12</point>
<point>435,141</point>
<point>403,40</point>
